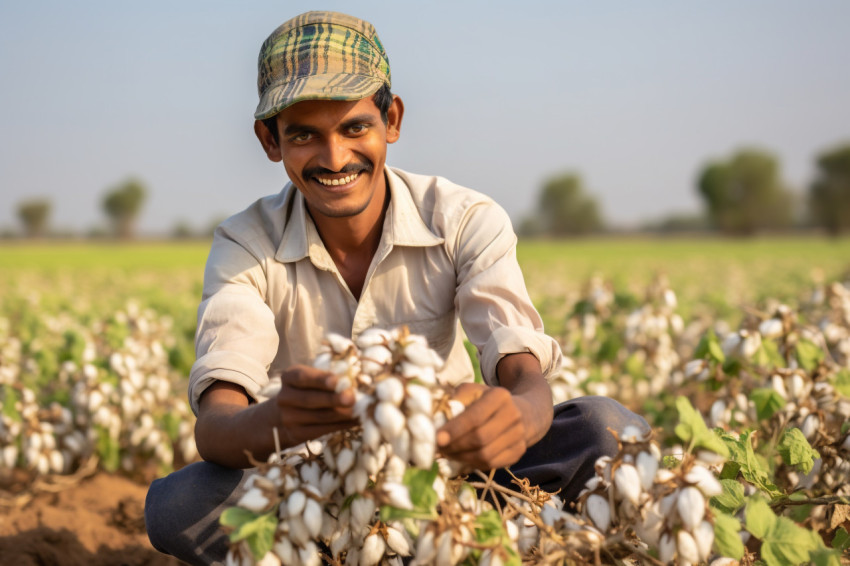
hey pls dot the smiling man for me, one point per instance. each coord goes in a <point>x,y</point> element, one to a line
<point>350,244</point>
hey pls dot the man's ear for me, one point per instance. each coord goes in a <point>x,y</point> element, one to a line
<point>394,115</point>
<point>267,140</point>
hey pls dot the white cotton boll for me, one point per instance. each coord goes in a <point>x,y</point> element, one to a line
<point>323,361</point>
<point>371,436</point>
<point>373,337</point>
<point>731,343</point>
<point>344,461</point>
<point>771,328</point>
<point>603,467</point>
<point>298,531</point>
<point>646,466</point>
<point>717,413</point>
<point>419,399</point>
<point>710,458</point>
<point>704,480</point>
<point>599,511</point>
<point>778,385</point>
<point>270,559</point>
<point>254,500</point>
<point>309,555</point>
<point>632,434</point>
<point>687,547</point>
<point>390,390</point>
<point>627,481</point>
<point>398,542</point>
<point>356,481</point>
<point>751,343</point>
<point>444,549</point>
<point>401,445</point>
<point>694,367</point>
<point>311,472</point>
<point>329,483</point>
<point>313,518</point>
<point>390,420</point>
<point>691,507</point>
<point>373,550</point>
<point>295,503</point>
<point>796,386</point>
<point>666,548</point>
<point>846,444</point>
<point>362,513</point>
<point>10,456</point>
<point>724,561</point>
<point>810,426</point>
<point>668,505</point>
<point>421,355</point>
<point>339,541</point>
<point>704,537</point>
<point>426,549</point>
<point>397,495</point>
<point>456,407</point>
<point>57,462</point>
<point>422,453</point>
<point>284,550</point>
<point>338,343</point>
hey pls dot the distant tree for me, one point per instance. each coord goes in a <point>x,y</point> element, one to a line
<point>34,215</point>
<point>564,209</point>
<point>745,194</point>
<point>829,195</point>
<point>122,204</point>
<point>182,230</point>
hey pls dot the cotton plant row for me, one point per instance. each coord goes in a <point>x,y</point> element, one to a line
<point>106,391</point>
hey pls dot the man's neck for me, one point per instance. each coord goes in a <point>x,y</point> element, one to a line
<point>352,241</point>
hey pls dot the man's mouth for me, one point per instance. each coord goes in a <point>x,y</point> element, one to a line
<point>328,182</point>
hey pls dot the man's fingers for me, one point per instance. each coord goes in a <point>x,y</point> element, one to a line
<point>313,398</point>
<point>494,404</point>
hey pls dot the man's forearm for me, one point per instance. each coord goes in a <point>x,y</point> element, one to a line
<point>521,375</point>
<point>228,429</point>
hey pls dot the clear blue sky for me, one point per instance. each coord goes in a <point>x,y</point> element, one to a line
<point>634,96</point>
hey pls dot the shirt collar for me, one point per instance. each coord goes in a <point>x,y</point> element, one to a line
<point>403,226</point>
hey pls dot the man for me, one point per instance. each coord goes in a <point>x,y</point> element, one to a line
<point>351,244</point>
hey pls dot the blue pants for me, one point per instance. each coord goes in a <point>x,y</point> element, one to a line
<point>182,509</point>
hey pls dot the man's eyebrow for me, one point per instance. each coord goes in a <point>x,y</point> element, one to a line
<point>360,119</point>
<point>292,129</point>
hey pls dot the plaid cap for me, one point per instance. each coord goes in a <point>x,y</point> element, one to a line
<point>319,56</point>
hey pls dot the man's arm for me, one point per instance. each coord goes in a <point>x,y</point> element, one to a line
<point>500,423</point>
<point>229,426</point>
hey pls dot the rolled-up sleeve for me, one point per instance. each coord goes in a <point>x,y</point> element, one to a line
<point>495,309</point>
<point>236,339</point>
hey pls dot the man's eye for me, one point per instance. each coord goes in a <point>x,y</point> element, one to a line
<point>301,138</point>
<point>358,129</point>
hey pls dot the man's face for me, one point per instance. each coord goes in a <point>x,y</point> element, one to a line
<point>334,153</point>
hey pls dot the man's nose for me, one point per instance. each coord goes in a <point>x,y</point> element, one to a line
<point>335,153</point>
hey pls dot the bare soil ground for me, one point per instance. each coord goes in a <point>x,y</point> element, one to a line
<point>97,521</point>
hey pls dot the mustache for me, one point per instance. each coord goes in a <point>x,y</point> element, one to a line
<point>359,167</point>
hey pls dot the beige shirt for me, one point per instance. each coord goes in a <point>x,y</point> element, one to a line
<point>446,258</point>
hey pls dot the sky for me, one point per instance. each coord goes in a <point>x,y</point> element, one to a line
<point>635,97</point>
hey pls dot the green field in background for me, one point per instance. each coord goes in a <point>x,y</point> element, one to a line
<point>721,274</point>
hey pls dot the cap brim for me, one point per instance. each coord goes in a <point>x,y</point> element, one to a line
<point>316,87</point>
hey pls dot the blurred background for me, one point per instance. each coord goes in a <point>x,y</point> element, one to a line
<point>135,119</point>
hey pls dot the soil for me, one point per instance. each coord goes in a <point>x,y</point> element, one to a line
<point>97,521</point>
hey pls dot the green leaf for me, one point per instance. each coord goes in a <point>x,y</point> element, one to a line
<point>841,540</point>
<point>108,449</point>
<point>256,530</point>
<point>715,351</point>
<point>753,468</point>
<point>796,450</point>
<point>825,557</point>
<point>420,485</point>
<point>731,499</point>
<point>634,366</point>
<point>692,429</point>
<point>809,355</point>
<point>771,351</point>
<point>767,402</point>
<point>732,366</point>
<point>783,541</point>
<point>727,538</point>
<point>489,530</point>
<point>841,382</point>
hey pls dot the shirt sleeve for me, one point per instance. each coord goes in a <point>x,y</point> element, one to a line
<point>236,339</point>
<point>495,309</point>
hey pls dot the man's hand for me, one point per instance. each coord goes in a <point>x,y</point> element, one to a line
<point>310,407</point>
<point>306,407</point>
<point>499,423</point>
<point>489,433</point>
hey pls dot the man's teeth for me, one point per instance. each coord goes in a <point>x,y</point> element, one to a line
<point>335,182</point>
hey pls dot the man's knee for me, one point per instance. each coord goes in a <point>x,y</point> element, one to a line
<point>600,417</point>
